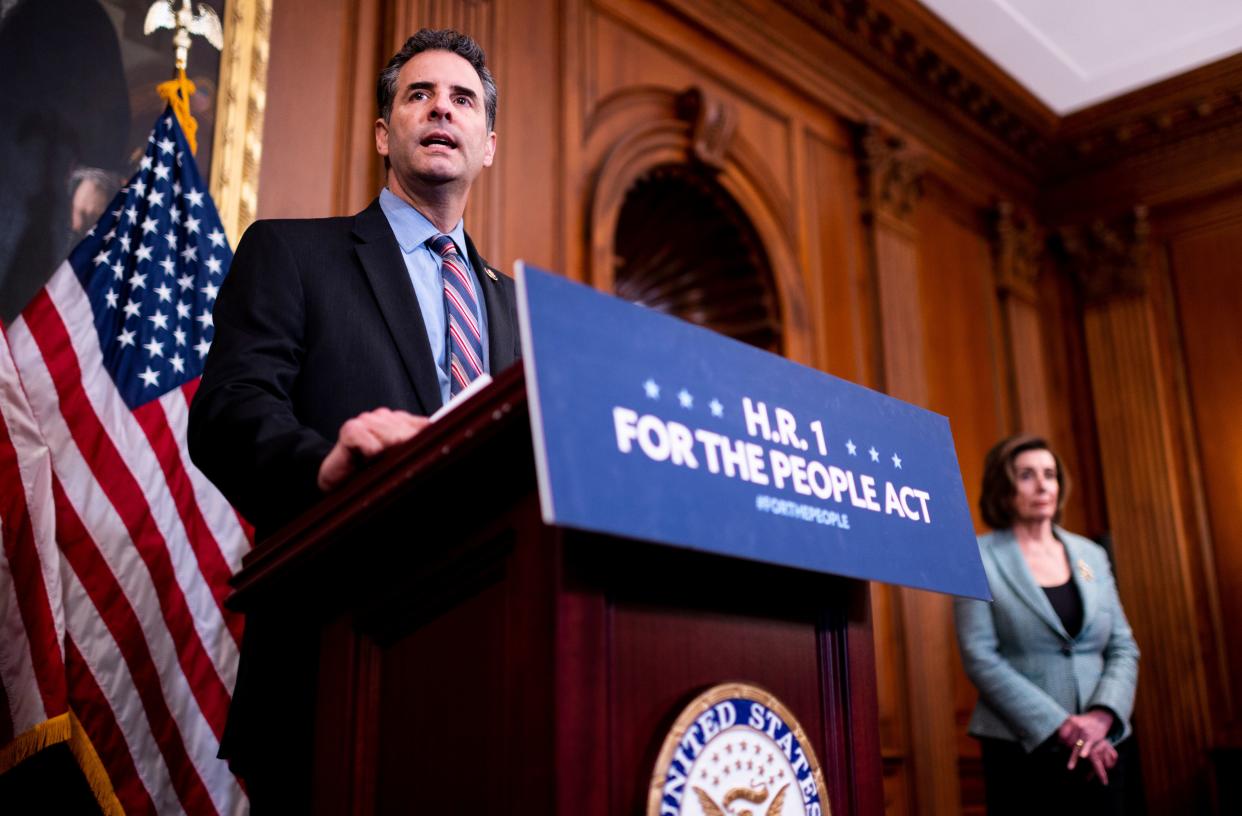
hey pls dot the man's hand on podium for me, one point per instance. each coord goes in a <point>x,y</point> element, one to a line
<point>363,437</point>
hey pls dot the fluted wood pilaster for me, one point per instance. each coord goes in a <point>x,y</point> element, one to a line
<point>1017,248</point>
<point>891,187</point>
<point>1137,422</point>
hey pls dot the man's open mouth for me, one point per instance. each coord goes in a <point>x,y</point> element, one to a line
<point>442,139</point>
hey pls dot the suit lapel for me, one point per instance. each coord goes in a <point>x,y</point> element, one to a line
<point>1013,567</point>
<point>1088,585</point>
<point>390,282</point>
<point>500,326</point>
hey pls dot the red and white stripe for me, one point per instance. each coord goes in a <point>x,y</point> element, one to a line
<point>471,357</point>
<point>149,545</point>
<point>467,312</point>
<point>32,623</point>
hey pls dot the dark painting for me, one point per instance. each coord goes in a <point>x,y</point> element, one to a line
<point>77,92</point>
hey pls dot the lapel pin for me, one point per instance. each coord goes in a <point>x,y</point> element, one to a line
<point>490,273</point>
<point>1085,571</point>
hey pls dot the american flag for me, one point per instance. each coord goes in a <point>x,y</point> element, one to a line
<point>128,627</point>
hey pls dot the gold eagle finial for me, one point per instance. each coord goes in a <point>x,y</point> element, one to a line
<point>185,22</point>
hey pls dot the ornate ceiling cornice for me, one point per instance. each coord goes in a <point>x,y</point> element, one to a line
<point>918,52</point>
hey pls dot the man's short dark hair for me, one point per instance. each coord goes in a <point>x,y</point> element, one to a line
<point>1000,484</point>
<point>445,39</point>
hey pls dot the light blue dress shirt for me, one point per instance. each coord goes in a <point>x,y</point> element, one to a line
<point>412,230</point>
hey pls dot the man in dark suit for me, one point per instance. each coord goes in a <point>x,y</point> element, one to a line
<point>334,340</point>
<point>331,341</point>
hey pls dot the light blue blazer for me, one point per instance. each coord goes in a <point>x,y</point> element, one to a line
<point>1030,673</point>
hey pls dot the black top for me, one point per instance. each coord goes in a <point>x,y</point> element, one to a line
<point>1067,603</point>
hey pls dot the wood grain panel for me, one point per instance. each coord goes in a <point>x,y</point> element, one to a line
<point>1209,300</point>
<point>964,361</point>
<point>300,131</point>
<point>836,262</point>
<point>1150,546</point>
<point>629,57</point>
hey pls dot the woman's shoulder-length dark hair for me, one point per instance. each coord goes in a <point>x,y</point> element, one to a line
<point>999,479</point>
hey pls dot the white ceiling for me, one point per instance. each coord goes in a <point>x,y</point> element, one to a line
<point>1075,53</point>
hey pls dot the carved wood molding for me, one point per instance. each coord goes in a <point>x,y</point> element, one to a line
<point>922,55</point>
<point>1193,105</point>
<point>713,122</point>
<point>1017,250</point>
<point>1109,259</point>
<point>890,174</point>
<point>895,40</point>
<point>635,132</point>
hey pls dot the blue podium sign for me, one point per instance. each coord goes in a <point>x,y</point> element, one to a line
<point>648,427</point>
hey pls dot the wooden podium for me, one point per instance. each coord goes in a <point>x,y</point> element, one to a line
<point>471,659</point>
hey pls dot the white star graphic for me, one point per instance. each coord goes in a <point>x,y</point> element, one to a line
<point>177,363</point>
<point>148,225</point>
<point>125,338</point>
<point>131,213</point>
<point>167,145</point>
<point>177,184</point>
<point>175,214</point>
<point>179,334</point>
<point>213,265</point>
<point>896,461</point>
<point>168,266</point>
<point>205,319</point>
<point>875,454</point>
<point>186,282</point>
<point>155,348</point>
<point>683,396</point>
<point>139,186</point>
<point>110,298</point>
<point>102,257</point>
<point>155,198</point>
<point>653,390</point>
<point>171,238</point>
<point>190,253</point>
<point>217,237</point>
<point>159,320</point>
<point>150,377</point>
<point>851,447</point>
<point>161,172</point>
<point>118,271</point>
<point>202,347</point>
<point>143,253</point>
<point>183,310</point>
<point>191,224</point>
<point>124,242</point>
<point>137,281</point>
<point>145,164</point>
<point>717,408</point>
<point>194,198</point>
<point>164,292</point>
<point>131,309</point>
<point>210,290</point>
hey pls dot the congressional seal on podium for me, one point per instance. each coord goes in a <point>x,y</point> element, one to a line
<point>735,750</point>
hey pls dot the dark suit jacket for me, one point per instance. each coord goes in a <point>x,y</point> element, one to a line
<point>317,322</point>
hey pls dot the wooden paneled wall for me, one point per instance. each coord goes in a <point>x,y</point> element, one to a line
<point>934,232</point>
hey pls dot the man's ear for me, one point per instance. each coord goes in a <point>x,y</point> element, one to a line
<point>489,151</point>
<point>381,137</point>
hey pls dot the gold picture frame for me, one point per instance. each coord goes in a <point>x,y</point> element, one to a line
<point>238,144</point>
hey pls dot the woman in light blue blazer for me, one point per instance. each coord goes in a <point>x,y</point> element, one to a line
<point>1052,656</point>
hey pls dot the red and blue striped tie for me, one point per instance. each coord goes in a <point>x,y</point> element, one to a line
<point>465,340</point>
